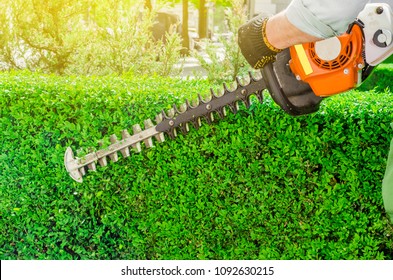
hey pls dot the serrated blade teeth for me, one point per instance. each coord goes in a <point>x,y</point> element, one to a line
<point>239,82</point>
<point>160,137</point>
<point>172,133</point>
<point>148,123</point>
<point>234,107</point>
<point>125,134</point>
<point>82,171</point>
<point>175,109</point>
<point>184,128</point>
<point>213,94</point>
<point>259,95</point>
<point>178,117</point>
<point>247,102</point>
<point>159,118</point>
<point>200,99</point>
<point>196,123</point>
<point>136,128</point>
<point>226,89</point>
<point>183,108</point>
<point>171,113</point>
<point>221,112</point>
<point>126,151</point>
<point>209,118</point>
<point>114,157</point>
<point>103,162</point>
<point>164,115</point>
<point>188,104</point>
<point>149,141</point>
<point>113,138</point>
<point>258,75</point>
<point>92,166</point>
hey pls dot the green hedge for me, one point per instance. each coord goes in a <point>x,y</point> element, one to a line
<point>257,185</point>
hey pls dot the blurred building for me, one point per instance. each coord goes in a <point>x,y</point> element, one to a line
<point>266,6</point>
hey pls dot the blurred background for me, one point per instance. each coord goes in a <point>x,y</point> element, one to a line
<point>101,37</point>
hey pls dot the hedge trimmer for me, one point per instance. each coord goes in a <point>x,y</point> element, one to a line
<point>298,81</point>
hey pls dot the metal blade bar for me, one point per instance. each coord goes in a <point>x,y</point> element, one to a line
<point>166,123</point>
<point>73,165</point>
<point>215,104</point>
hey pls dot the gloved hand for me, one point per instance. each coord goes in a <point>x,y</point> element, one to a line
<point>253,43</point>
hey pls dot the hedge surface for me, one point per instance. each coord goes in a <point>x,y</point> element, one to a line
<point>257,185</point>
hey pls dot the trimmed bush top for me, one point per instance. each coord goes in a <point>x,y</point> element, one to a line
<point>256,185</point>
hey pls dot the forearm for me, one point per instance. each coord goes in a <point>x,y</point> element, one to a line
<point>281,33</point>
<point>323,19</point>
<point>303,21</point>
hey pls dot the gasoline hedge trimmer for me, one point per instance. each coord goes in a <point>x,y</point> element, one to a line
<point>298,81</point>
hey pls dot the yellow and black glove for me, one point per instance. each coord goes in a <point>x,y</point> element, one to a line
<point>253,43</point>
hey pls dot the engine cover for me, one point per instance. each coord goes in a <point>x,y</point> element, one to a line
<point>330,66</point>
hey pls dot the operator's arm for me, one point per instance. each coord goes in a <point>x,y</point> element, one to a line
<point>281,33</point>
<point>303,21</point>
<point>323,19</point>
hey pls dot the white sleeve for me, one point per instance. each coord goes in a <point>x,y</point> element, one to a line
<point>323,19</point>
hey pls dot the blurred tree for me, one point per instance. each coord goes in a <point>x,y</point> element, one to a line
<point>185,36</point>
<point>148,5</point>
<point>230,63</point>
<point>224,3</point>
<point>202,5</point>
<point>84,37</point>
<point>202,20</point>
<point>7,47</point>
<point>44,32</point>
<point>120,41</point>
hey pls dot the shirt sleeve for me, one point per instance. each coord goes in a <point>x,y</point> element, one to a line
<point>323,19</point>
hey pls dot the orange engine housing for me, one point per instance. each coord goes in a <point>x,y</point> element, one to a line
<point>330,66</point>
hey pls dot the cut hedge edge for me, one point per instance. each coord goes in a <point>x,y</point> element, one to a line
<point>256,185</point>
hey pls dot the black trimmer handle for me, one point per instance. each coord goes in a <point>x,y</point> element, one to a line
<point>293,96</point>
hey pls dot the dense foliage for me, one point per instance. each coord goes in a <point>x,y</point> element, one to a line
<point>257,185</point>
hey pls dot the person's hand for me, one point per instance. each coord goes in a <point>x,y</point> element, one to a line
<point>253,43</point>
